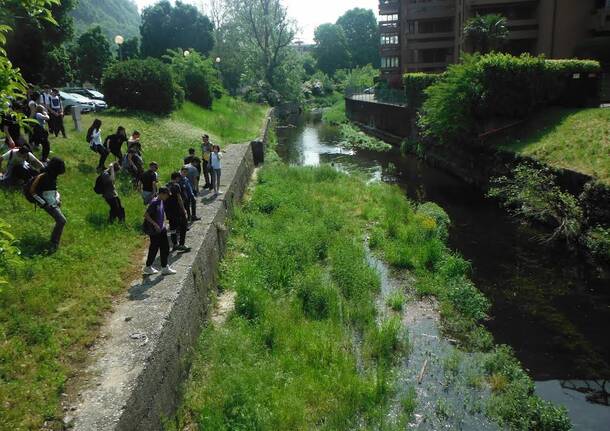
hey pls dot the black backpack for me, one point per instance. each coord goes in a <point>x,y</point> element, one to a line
<point>98,188</point>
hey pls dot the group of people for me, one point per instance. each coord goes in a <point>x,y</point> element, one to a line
<point>174,202</point>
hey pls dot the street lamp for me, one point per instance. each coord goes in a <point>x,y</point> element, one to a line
<point>119,40</point>
<point>217,60</point>
<point>187,53</point>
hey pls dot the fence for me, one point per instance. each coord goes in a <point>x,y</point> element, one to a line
<point>376,95</point>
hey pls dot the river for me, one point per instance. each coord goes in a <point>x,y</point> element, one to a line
<point>550,306</point>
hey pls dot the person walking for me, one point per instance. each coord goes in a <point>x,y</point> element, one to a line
<point>206,151</point>
<point>108,180</point>
<point>115,143</point>
<point>188,195</point>
<point>41,135</point>
<point>94,137</point>
<point>154,227</point>
<point>150,183</point>
<point>44,191</point>
<point>56,111</point>
<point>176,214</point>
<point>216,167</point>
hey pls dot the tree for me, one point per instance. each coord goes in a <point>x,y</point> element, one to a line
<point>93,55</point>
<point>130,49</point>
<point>32,40</point>
<point>486,33</point>
<point>331,48</point>
<point>168,27</point>
<point>58,67</point>
<point>362,35</point>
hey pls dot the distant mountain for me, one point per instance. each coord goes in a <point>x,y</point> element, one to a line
<point>114,16</point>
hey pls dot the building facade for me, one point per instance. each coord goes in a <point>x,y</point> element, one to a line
<point>427,35</point>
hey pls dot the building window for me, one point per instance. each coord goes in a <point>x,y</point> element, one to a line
<point>436,26</point>
<point>389,40</point>
<point>390,62</point>
<point>411,27</point>
<point>389,18</point>
<point>436,55</point>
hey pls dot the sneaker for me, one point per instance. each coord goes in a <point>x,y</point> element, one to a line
<point>149,270</point>
<point>182,248</point>
<point>168,271</point>
<point>194,219</point>
<point>219,192</point>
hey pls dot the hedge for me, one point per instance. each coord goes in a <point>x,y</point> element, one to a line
<point>415,84</point>
<point>496,85</point>
<point>146,85</point>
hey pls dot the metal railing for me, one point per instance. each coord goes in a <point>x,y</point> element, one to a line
<point>376,95</point>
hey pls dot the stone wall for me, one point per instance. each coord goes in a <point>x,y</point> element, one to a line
<point>143,354</point>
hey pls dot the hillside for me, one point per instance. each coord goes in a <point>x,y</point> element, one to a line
<point>114,16</point>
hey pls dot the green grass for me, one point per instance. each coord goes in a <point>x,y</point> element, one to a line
<point>335,114</point>
<point>52,308</point>
<point>396,300</point>
<point>568,138</point>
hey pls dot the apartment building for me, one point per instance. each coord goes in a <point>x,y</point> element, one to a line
<point>427,35</point>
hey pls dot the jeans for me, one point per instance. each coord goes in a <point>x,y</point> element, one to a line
<point>216,179</point>
<point>158,242</point>
<point>191,208</point>
<point>205,167</point>
<point>60,222</point>
<point>177,227</point>
<point>116,210</point>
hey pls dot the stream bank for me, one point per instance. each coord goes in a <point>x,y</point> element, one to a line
<point>551,307</point>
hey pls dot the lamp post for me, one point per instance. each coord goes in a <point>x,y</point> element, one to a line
<point>119,40</point>
<point>218,68</point>
<point>187,53</point>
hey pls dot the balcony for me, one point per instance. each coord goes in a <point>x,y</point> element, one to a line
<point>389,7</point>
<point>475,3</point>
<point>429,10</point>
<point>390,50</point>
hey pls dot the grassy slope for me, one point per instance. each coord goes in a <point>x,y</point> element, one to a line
<point>288,359</point>
<point>568,138</point>
<point>50,311</point>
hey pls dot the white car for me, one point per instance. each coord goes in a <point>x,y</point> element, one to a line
<point>96,105</point>
<point>71,100</point>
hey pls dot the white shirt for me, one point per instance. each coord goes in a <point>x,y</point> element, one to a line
<point>96,137</point>
<point>17,158</point>
<point>215,160</point>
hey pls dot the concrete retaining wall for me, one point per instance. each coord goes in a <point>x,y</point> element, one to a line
<point>392,119</point>
<point>143,353</point>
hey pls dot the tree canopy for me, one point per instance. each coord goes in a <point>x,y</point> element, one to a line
<point>93,55</point>
<point>362,36</point>
<point>168,27</point>
<point>486,33</point>
<point>32,40</point>
<point>331,49</point>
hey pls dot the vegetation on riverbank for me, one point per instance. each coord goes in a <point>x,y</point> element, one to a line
<point>354,138</point>
<point>53,304</point>
<point>305,306</point>
<point>576,139</point>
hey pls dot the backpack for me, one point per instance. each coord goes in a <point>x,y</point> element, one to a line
<point>98,188</point>
<point>27,187</point>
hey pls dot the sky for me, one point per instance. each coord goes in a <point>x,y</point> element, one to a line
<point>308,13</point>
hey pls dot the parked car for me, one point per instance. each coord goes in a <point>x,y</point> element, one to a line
<point>89,93</point>
<point>97,105</point>
<point>70,100</point>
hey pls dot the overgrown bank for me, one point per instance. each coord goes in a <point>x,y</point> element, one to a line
<point>302,349</point>
<point>54,303</point>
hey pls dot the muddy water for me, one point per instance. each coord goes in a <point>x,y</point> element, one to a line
<point>551,307</point>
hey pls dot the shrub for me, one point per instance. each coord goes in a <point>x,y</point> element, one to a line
<point>496,85</point>
<point>533,194</point>
<point>439,216</point>
<point>597,242</point>
<point>353,138</point>
<point>415,85</point>
<point>197,75</point>
<point>146,85</point>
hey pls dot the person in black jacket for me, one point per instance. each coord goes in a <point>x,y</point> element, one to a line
<point>115,143</point>
<point>176,214</point>
<point>44,191</point>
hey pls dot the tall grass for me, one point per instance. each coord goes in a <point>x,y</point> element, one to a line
<point>52,308</point>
